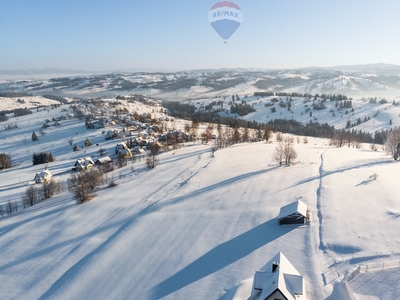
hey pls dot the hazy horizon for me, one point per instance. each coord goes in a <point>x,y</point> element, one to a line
<point>99,35</point>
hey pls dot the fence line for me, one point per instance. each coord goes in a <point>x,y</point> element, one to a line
<point>378,266</point>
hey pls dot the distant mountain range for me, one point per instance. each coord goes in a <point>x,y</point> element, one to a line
<point>354,81</point>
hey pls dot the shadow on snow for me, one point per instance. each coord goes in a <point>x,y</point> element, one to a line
<point>221,256</point>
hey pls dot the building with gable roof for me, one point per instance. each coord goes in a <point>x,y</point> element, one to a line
<point>293,213</point>
<point>278,280</point>
<point>83,164</point>
<point>43,176</point>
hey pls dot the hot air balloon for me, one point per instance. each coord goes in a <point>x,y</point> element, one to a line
<point>225,17</point>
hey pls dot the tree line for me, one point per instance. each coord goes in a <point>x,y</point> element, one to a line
<point>331,97</point>
<point>314,129</point>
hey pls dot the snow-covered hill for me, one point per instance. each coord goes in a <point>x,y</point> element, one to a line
<point>198,225</point>
<point>354,81</point>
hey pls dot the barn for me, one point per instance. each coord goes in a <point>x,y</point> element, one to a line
<point>293,213</point>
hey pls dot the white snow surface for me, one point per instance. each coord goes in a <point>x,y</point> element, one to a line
<point>197,226</point>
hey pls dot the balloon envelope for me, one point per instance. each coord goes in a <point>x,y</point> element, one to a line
<point>225,17</point>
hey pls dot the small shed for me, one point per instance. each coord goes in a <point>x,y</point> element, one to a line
<point>293,213</point>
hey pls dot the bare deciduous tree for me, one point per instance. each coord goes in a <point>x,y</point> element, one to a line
<point>267,133</point>
<point>236,135</point>
<point>5,161</point>
<point>11,207</point>
<point>285,152</point>
<point>246,134</point>
<point>82,184</point>
<point>30,197</point>
<point>152,160</point>
<point>373,147</point>
<point>279,137</point>
<point>278,153</point>
<point>392,141</point>
<point>94,178</point>
<point>49,188</point>
<point>338,139</point>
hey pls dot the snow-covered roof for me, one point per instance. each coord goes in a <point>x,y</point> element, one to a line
<point>284,278</point>
<point>102,160</point>
<point>125,152</point>
<point>84,162</point>
<point>295,207</point>
<point>121,145</point>
<point>45,174</point>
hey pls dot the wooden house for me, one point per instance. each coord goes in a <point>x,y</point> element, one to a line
<point>293,213</point>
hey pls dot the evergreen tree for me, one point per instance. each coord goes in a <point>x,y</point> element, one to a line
<point>88,142</point>
<point>34,137</point>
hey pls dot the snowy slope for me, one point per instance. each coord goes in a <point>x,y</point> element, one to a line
<point>199,225</point>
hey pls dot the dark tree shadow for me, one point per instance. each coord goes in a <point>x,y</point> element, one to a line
<point>221,256</point>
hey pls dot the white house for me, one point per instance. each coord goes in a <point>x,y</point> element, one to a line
<point>278,280</point>
<point>83,164</point>
<point>43,176</point>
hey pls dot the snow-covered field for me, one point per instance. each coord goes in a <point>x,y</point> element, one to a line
<point>7,103</point>
<point>198,225</point>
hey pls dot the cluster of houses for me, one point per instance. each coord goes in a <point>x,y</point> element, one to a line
<point>56,121</point>
<point>99,122</point>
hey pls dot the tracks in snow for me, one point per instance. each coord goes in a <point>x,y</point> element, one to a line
<point>156,198</point>
<point>181,180</point>
<point>315,245</point>
<point>322,246</point>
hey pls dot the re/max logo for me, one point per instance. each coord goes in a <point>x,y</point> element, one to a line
<point>226,14</point>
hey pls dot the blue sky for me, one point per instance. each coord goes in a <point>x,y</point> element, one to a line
<point>99,35</point>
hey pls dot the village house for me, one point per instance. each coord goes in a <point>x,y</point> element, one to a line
<point>125,153</point>
<point>103,160</point>
<point>83,164</point>
<point>278,280</point>
<point>119,147</point>
<point>43,176</point>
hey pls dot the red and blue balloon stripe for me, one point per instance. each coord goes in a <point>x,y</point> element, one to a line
<point>225,17</point>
